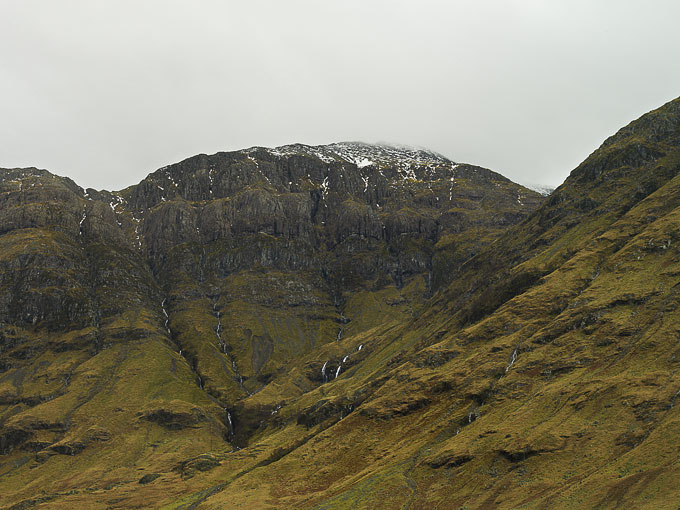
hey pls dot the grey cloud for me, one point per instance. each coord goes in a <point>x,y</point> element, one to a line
<point>107,91</point>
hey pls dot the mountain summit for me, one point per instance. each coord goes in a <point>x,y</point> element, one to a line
<point>363,154</point>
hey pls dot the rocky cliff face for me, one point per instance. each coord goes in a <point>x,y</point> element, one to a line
<point>175,301</point>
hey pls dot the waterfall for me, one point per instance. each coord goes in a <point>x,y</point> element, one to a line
<point>223,348</point>
<point>513,358</point>
<point>323,372</point>
<point>218,328</point>
<point>218,332</point>
<point>673,399</point>
<point>343,320</point>
<point>167,318</point>
<point>240,378</point>
<point>237,373</point>
<point>231,423</point>
<point>81,222</point>
<point>337,372</point>
<point>360,347</point>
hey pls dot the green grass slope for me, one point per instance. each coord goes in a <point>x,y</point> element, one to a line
<point>156,336</point>
<point>553,390</point>
<point>545,374</point>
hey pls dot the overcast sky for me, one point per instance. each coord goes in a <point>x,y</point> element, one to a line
<point>108,91</point>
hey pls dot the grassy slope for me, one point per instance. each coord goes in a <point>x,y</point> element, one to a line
<point>585,416</point>
<point>427,414</point>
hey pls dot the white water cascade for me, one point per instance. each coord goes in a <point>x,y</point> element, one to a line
<point>230,422</point>
<point>81,222</point>
<point>513,358</point>
<point>342,328</point>
<point>223,348</point>
<point>167,318</point>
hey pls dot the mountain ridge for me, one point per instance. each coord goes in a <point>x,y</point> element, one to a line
<point>312,363</point>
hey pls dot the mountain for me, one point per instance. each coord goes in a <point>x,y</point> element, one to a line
<point>155,330</point>
<point>476,346</point>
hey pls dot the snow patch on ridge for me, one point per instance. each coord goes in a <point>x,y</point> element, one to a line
<point>403,159</point>
<point>540,188</point>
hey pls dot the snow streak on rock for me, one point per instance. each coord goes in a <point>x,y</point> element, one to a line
<point>400,157</point>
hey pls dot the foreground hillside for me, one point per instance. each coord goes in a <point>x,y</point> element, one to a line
<point>501,358</point>
<point>545,375</point>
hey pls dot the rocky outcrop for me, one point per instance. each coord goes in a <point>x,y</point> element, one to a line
<point>174,415</point>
